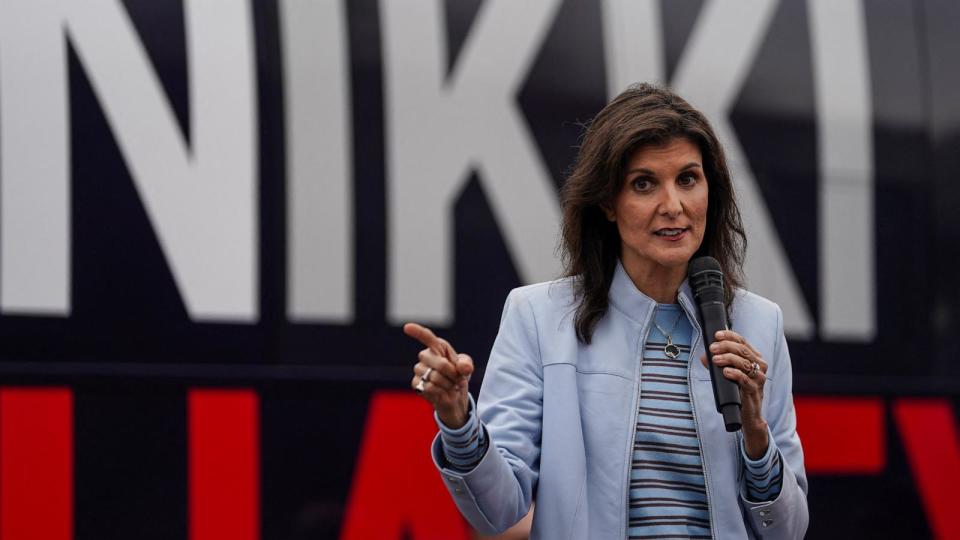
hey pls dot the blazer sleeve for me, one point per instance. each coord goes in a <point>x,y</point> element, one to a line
<point>785,517</point>
<point>497,493</point>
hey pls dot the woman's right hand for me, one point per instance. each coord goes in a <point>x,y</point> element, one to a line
<point>445,386</point>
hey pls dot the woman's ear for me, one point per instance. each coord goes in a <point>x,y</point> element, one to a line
<point>609,213</point>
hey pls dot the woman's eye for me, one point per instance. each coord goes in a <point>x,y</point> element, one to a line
<point>642,184</point>
<point>688,180</point>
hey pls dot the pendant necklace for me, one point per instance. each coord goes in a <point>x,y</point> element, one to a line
<point>671,350</point>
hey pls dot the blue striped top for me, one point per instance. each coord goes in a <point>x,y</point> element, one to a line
<point>668,496</point>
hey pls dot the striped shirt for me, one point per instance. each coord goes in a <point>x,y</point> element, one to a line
<point>667,496</point>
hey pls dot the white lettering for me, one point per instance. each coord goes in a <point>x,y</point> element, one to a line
<point>845,147</point>
<point>319,196</point>
<point>437,130</point>
<point>633,43</point>
<point>200,200</point>
<point>34,160</point>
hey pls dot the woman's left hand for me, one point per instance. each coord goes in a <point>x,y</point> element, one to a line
<point>743,365</point>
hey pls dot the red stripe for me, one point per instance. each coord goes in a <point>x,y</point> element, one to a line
<point>224,464</point>
<point>397,491</point>
<point>36,463</point>
<point>929,433</point>
<point>842,435</point>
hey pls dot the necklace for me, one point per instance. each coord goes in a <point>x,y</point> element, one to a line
<point>671,350</point>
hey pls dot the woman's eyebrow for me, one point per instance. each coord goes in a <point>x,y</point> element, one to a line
<point>648,172</point>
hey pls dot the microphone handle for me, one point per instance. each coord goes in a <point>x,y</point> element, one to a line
<point>726,393</point>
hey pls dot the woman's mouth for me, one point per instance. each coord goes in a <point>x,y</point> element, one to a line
<point>672,234</point>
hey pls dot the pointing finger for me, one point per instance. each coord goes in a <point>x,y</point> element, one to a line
<point>426,336</point>
<point>420,333</point>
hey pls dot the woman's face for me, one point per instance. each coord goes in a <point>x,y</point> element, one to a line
<point>661,210</point>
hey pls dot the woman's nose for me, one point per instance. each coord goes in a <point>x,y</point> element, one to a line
<point>670,203</point>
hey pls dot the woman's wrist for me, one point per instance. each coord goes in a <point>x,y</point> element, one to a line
<point>756,440</point>
<point>455,417</point>
<point>453,420</point>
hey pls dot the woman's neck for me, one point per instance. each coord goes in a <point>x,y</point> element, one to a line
<point>658,282</point>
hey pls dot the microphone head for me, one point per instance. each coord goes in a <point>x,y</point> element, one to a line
<point>706,279</point>
<point>701,264</point>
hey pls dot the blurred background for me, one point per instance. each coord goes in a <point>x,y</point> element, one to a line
<point>216,215</point>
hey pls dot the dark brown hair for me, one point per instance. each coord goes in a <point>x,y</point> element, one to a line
<point>642,115</point>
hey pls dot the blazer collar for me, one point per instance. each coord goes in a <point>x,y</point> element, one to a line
<point>636,305</point>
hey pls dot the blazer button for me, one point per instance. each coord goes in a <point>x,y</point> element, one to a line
<point>766,522</point>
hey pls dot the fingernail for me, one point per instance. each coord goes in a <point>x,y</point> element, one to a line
<point>719,334</point>
<point>714,347</point>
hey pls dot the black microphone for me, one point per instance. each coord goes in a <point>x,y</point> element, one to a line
<point>706,280</point>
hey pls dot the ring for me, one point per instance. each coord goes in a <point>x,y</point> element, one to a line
<point>419,387</point>
<point>426,375</point>
<point>755,370</point>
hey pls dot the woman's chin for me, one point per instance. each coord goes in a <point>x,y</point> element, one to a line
<point>675,260</point>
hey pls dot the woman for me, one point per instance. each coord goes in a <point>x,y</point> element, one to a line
<point>590,403</point>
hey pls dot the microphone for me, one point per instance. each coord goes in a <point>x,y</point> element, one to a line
<point>706,280</point>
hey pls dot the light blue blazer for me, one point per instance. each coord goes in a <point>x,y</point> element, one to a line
<point>560,417</point>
